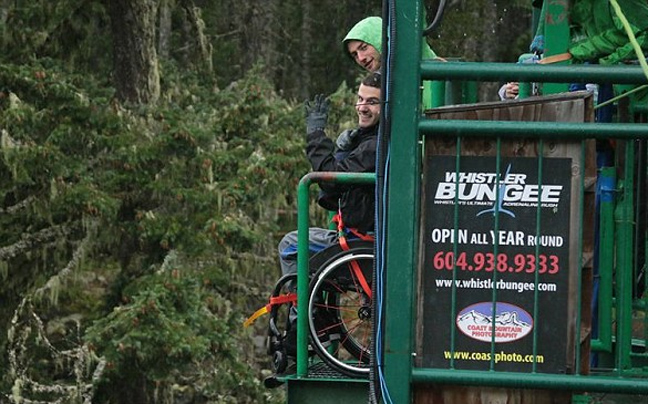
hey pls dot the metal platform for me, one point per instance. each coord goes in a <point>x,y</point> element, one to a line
<point>324,385</point>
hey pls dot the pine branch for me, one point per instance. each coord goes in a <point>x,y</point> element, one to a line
<point>19,334</point>
<point>54,281</point>
<point>19,206</point>
<point>34,240</point>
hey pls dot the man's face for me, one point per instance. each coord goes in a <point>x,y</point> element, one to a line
<point>364,54</point>
<point>368,106</point>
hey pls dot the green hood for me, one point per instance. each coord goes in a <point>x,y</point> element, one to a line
<point>369,30</point>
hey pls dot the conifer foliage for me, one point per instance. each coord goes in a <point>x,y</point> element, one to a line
<point>167,213</point>
<point>144,185</point>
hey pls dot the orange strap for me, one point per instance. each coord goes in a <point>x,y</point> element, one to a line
<point>274,301</point>
<point>361,236</point>
<point>356,269</point>
<point>337,218</point>
<point>345,246</point>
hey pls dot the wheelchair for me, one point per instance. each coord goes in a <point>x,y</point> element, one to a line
<point>340,307</point>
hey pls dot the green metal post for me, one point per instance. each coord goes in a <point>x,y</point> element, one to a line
<point>453,92</point>
<point>624,219</point>
<point>524,87</point>
<point>607,178</point>
<point>470,91</point>
<point>302,273</point>
<point>438,93</point>
<point>524,90</point>
<point>557,37</point>
<point>403,191</point>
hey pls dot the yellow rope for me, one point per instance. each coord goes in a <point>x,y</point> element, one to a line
<point>263,310</point>
<point>618,97</point>
<point>631,36</point>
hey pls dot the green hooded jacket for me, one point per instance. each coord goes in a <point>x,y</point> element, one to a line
<point>604,37</point>
<point>369,31</point>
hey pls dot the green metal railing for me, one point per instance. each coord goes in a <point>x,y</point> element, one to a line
<point>531,380</point>
<point>625,354</point>
<point>616,259</point>
<point>302,249</point>
<point>622,233</point>
<point>516,130</point>
<point>474,71</point>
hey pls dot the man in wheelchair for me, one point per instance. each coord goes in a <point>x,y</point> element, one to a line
<point>353,151</point>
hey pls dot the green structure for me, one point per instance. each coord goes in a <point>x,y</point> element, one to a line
<point>603,331</point>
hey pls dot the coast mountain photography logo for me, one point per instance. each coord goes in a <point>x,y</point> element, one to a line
<point>511,322</point>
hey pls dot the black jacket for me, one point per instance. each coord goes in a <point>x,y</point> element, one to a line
<point>357,202</point>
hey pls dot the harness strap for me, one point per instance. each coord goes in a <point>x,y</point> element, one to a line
<point>342,230</point>
<point>361,236</point>
<point>357,271</point>
<point>274,301</point>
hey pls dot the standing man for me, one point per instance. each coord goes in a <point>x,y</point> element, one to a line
<point>363,44</point>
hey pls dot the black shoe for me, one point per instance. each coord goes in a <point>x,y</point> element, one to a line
<point>273,381</point>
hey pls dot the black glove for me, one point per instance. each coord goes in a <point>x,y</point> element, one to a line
<point>316,113</point>
<point>346,138</point>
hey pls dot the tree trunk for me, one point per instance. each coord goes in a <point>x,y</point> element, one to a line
<point>488,49</point>
<point>260,30</point>
<point>5,5</point>
<point>198,49</point>
<point>164,29</point>
<point>306,45</point>
<point>135,62</point>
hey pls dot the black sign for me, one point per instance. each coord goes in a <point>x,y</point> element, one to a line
<point>496,242</point>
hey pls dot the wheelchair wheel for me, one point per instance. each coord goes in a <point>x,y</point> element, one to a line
<point>340,308</point>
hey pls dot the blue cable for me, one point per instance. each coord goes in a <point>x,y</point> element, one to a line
<point>381,266</point>
<point>380,251</point>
